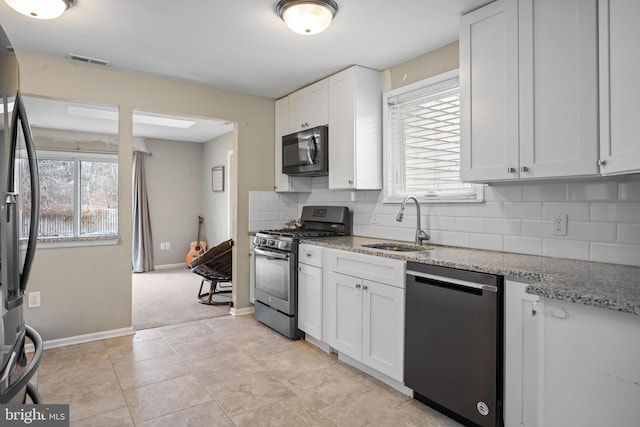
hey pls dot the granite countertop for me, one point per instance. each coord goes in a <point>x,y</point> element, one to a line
<point>610,286</point>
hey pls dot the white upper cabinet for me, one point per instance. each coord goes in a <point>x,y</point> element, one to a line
<point>619,86</point>
<point>558,88</point>
<point>489,92</point>
<point>355,129</point>
<point>309,107</point>
<point>284,183</point>
<point>529,85</point>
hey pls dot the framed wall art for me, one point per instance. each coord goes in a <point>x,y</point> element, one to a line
<point>217,178</point>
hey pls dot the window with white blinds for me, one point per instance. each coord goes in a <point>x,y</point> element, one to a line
<point>422,142</point>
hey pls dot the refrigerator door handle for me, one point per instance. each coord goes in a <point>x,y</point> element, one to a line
<point>20,113</point>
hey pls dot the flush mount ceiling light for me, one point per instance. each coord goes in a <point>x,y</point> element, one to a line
<point>307,16</point>
<point>41,9</point>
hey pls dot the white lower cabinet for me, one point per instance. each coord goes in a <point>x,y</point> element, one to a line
<point>364,319</point>
<point>590,366</point>
<point>522,363</point>
<point>569,364</point>
<point>310,290</point>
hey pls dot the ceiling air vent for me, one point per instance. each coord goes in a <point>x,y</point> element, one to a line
<point>88,60</point>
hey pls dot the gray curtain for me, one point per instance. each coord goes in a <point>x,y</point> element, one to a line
<point>142,241</point>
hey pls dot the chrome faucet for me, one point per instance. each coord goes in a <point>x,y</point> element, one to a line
<point>421,236</point>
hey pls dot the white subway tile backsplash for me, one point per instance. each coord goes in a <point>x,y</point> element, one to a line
<point>592,191</point>
<point>629,191</point>
<point>603,217</point>
<point>575,211</point>
<point>503,226</point>
<point>615,253</point>
<point>544,193</point>
<point>455,238</point>
<point>629,233</point>
<point>592,231</point>
<point>486,210</point>
<point>503,192</point>
<point>536,228</point>
<point>565,249</point>
<point>491,242</point>
<point>441,222</point>
<point>616,212</point>
<point>448,209</point>
<point>523,210</point>
<point>523,245</point>
<point>474,225</point>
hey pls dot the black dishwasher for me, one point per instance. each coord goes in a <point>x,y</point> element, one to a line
<point>454,342</point>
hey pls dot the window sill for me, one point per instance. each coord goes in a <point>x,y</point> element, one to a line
<point>70,242</point>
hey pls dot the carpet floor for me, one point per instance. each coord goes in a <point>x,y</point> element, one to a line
<point>168,297</point>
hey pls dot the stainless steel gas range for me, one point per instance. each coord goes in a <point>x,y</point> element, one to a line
<point>276,265</point>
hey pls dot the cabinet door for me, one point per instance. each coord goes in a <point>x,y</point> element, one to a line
<point>309,107</point>
<point>344,314</point>
<point>310,300</point>
<point>558,44</point>
<point>591,366</point>
<point>342,130</point>
<point>383,328</point>
<point>284,183</point>
<point>619,86</point>
<point>522,365</point>
<point>489,93</point>
<point>355,129</point>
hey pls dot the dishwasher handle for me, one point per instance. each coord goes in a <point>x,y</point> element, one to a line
<point>452,283</point>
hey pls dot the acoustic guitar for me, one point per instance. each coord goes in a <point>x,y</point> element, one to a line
<point>196,248</point>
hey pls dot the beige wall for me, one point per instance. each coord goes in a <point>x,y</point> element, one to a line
<point>428,65</point>
<point>88,289</point>
<point>173,173</point>
<point>215,204</point>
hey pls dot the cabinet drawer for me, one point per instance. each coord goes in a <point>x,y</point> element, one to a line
<point>375,268</point>
<point>311,255</point>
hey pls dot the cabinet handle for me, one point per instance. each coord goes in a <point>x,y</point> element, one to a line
<point>524,169</point>
<point>308,255</point>
<point>365,287</point>
<point>511,170</point>
<point>358,286</point>
<point>300,269</point>
<point>350,182</point>
<point>602,162</point>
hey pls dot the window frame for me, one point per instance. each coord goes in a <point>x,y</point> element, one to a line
<point>391,192</point>
<point>78,157</point>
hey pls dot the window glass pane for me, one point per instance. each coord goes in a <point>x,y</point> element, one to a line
<point>98,197</point>
<point>56,198</point>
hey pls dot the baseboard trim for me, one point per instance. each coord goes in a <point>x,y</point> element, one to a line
<point>241,311</point>
<point>81,339</point>
<point>391,382</point>
<point>169,266</point>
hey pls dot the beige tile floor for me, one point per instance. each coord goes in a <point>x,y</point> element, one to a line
<point>225,371</point>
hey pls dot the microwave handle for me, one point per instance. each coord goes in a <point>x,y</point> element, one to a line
<point>312,147</point>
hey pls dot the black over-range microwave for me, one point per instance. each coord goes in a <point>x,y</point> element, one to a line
<point>306,153</point>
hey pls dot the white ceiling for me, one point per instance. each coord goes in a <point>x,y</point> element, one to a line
<point>238,45</point>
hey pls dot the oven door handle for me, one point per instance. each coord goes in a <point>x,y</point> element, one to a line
<point>271,255</point>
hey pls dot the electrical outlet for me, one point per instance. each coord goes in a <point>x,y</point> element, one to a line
<point>167,245</point>
<point>559,223</point>
<point>34,299</point>
<point>163,246</point>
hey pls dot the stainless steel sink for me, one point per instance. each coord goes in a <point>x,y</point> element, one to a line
<point>396,247</point>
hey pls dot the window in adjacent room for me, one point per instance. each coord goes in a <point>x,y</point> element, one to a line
<point>78,195</point>
<point>422,142</point>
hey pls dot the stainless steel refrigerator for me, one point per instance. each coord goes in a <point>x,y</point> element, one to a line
<point>19,208</point>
